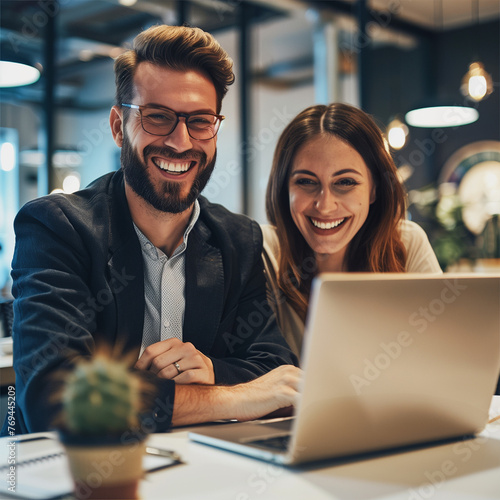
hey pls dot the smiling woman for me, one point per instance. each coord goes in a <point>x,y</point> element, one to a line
<point>330,195</point>
<point>335,204</point>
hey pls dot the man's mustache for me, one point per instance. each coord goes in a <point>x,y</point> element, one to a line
<point>170,153</point>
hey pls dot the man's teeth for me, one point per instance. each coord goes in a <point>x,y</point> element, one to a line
<point>327,225</point>
<point>173,167</point>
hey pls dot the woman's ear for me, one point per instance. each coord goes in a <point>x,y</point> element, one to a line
<point>116,124</point>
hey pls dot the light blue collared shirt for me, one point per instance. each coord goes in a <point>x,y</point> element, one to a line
<point>164,288</point>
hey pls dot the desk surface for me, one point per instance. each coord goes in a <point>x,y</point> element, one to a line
<point>7,375</point>
<point>466,469</point>
<point>455,471</point>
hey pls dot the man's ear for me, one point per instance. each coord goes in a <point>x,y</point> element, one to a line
<point>117,125</point>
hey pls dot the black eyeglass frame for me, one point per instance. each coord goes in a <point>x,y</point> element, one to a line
<point>177,116</point>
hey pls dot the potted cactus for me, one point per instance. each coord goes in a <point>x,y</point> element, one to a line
<point>101,404</point>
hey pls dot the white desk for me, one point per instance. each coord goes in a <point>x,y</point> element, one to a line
<point>455,471</point>
<point>467,469</point>
<point>7,376</point>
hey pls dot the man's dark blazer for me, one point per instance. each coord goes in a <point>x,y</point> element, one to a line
<point>78,281</point>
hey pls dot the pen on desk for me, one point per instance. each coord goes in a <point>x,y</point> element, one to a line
<point>163,453</point>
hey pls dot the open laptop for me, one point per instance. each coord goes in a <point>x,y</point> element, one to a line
<point>389,360</point>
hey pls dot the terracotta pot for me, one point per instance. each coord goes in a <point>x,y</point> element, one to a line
<point>108,471</point>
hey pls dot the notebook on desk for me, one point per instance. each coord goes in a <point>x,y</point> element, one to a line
<point>35,467</point>
<point>389,361</point>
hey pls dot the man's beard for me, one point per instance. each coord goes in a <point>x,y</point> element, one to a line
<point>169,198</point>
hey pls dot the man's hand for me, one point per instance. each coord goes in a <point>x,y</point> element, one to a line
<point>273,391</point>
<point>177,360</point>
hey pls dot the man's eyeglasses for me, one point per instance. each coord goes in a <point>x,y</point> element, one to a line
<point>157,120</point>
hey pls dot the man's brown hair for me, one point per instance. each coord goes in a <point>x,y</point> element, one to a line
<point>179,48</point>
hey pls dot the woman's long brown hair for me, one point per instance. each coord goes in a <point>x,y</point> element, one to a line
<point>377,247</point>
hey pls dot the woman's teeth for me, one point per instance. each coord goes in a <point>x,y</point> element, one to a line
<point>173,167</point>
<point>327,225</point>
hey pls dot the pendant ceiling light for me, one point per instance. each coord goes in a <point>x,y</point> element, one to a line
<point>439,114</point>
<point>397,133</point>
<point>477,83</point>
<point>433,116</point>
<point>15,70</point>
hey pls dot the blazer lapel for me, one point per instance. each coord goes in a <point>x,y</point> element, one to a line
<point>204,289</point>
<point>126,277</point>
<point>126,272</point>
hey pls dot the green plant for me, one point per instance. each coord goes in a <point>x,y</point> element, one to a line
<point>101,397</point>
<point>440,213</point>
<point>490,238</point>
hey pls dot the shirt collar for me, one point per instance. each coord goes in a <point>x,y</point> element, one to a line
<point>153,252</point>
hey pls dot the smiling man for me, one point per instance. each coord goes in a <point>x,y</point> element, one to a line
<point>140,261</point>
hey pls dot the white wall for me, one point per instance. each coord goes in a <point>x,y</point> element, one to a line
<point>22,124</point>
<point>225,186</point>
<point>270,109</point>
<point>273,42</point>
<point>90,134</point>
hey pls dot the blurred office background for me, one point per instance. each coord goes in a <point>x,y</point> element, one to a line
<point>386,56</point>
